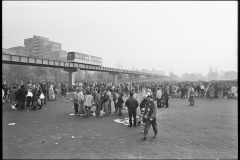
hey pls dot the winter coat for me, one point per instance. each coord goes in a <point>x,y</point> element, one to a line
<point>36,93</point>
<point>211,91</point>
<point>13,94</point>
<point>21,94</point>
<point>143,104</point>
<point>120,102</point>
<point>150,109</point>
<point>191,96</point>
<point>89,100</point>
<point>131,103</point>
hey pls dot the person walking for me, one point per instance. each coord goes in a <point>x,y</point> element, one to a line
<point>211,91</point>
<point>44,91</point>
<point>51,93</point>
<point>21,97</point>
<point>76,99</point>
<point>159,95</point>
<point>166,97</point>
<point>81,101</point>
<point>150,117</point>
<point>35,98</point>
<point>192,97</point>
<point>98,102</point>
<point>132,105</point>
<point>135,94</point>
<point>120,102</point>
<point>105,101</point>
<point>109,101</point>
<point>115,98</point>
<point>88,103</point>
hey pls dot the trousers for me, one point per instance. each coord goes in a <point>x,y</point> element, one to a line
<point>75,107</point>
<point>148,123</point>
<point>105,108</point>
<point>132,113</point>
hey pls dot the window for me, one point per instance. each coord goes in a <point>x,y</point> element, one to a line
<point>77,55</point>
<point>86,57</point>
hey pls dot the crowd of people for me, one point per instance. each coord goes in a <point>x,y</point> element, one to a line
<point>101,96</point>
<point>31,94</point>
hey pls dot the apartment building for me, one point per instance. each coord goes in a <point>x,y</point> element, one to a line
<point>39,46</point>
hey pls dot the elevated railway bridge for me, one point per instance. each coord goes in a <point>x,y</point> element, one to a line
<point>71,67</point>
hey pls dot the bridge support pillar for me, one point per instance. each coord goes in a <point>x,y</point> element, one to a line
<point>137,77</point>
<point>71,78</point>
<point>114,76</point>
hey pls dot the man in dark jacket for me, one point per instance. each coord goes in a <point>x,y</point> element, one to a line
<point>166,96</point>
<point>21,97</point>
<point>132,105</point>
<point>150,116</point>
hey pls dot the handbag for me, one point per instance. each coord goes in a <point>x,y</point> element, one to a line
<point>42,96</point>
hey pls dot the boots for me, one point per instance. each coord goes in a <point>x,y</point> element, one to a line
<point>155,135</point>
<point>144,138</point>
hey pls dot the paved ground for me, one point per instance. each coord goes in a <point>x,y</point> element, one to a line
<point>207,130</point>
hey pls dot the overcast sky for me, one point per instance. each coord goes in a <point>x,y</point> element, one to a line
<point>171,36</point>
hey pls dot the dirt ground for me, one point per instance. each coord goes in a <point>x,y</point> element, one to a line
<point>207,130</point>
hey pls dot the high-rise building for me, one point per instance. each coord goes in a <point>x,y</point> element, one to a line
<point>39,46</point>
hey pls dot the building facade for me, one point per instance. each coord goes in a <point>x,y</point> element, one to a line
<point>39,46</point>
<point>19,50</point>
<point>8,51</point>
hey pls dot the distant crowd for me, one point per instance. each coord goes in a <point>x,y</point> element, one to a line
<point>36,94</point>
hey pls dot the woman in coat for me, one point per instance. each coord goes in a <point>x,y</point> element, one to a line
<point>120,104</point>
<point>192,97</point>
<point>211,91</point>
<point>51,93</point>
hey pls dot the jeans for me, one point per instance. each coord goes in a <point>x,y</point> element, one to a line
<point>105,108</point>
<point>148,123</point>
<point>132,113</point>
<point>75,107</point>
